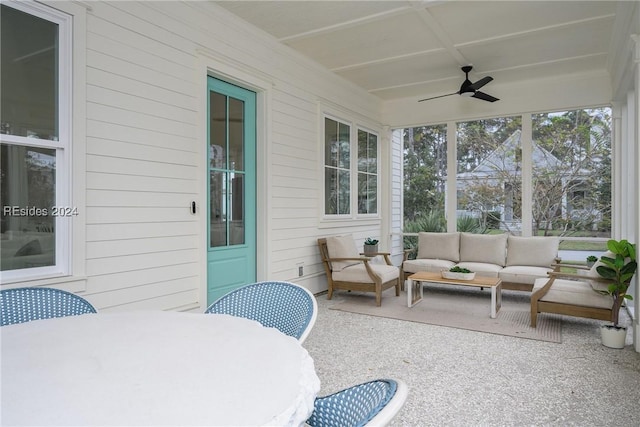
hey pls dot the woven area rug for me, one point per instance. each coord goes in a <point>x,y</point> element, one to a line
<point>457,307</point>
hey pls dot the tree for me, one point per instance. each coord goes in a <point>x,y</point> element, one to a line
<point>425,167</point>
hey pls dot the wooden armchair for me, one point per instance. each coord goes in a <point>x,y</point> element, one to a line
<point>571,294</point>
<point>347,270</point>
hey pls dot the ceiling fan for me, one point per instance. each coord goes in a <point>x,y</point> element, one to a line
<point>469,89</point>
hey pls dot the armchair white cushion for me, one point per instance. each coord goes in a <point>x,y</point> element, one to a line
<point>358,273</point>
<point>342,247</point>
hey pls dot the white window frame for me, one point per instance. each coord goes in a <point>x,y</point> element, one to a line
<point>354,126</point>
<point>63,224</point>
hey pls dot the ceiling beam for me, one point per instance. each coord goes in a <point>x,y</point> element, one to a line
<point>346,24</point>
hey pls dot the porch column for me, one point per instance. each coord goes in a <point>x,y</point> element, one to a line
<point>633,218</point>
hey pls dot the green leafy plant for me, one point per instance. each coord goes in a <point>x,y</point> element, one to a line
<point>592,258</point>
<point>619,270</point>
<point>370,242</point>
<point>457,269</point>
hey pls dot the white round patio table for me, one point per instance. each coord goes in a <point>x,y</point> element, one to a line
<point>154,369</point>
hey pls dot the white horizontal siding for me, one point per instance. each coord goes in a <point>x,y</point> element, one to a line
<point>144,148</point>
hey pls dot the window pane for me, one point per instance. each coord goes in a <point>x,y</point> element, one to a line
<point>27,195</point>
<point>337,167</point>
<point>367,193</point>
<point>344,192</point>
<point>331,191</point>
<point>367,173</point>
<point>29,86</point>
<point>425,177</point>
<point>344,148</point>
<point>572,173</point>
<point>330,142</point>
<point>489,178</point>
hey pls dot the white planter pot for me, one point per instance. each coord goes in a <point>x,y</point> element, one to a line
<point>458,276</point>
<point>613,337</point>
<point>370,249</point>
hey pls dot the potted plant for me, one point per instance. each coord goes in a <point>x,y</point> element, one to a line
<point>370,245</point>
<point>458,273</point>
<point>619,271</point>
<point>591,259</point>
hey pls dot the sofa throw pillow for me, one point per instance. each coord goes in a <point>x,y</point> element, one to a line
<point>342,247</point>
<point>439,246</point>
<point>489,248</point>
<point>533,251</point>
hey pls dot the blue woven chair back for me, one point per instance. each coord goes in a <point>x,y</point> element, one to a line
<point>283,305</point>
<point>353,406</point>
<point>25,304</point>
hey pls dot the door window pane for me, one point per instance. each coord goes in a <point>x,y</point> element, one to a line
<point>236,208</point>
<point>236,134</point>
<point>218,209</point>
<point>227,192</point>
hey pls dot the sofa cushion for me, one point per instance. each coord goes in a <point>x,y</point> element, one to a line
<point>431,265</point>
<point>482,268</point>
<point>439,246</point>
<point>573,292</point>
<point>523,274</point>
<point>358,273</point>
<point>342,247</point>
<point>535,251</point>
<point>489,248</point>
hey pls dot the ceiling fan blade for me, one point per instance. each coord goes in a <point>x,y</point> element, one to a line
<point>484,96</point>
<point>441,96</point>
<point>483,81</point>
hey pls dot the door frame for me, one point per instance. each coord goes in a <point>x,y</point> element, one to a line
<point>213,64</point>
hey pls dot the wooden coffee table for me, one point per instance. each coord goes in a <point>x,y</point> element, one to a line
<point>415,292</point>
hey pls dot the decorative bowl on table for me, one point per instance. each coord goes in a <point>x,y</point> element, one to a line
<point>458,275</point>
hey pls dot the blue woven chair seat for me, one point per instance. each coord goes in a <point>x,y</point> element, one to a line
<point>285,306</point>
<point>21,305</point>
<point>357,405</point>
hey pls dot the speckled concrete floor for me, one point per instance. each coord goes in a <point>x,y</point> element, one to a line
<point>464,378</point>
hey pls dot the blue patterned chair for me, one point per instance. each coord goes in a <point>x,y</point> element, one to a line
<point>25,304</point>
<point>288,307</point>
<point>373,403</point>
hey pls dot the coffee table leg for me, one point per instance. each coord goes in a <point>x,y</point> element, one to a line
<point>414,292</point>
<point>496,299</point>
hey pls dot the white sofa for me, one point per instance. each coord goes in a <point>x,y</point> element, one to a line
<point>518,261</point>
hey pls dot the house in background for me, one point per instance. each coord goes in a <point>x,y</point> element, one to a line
<point>500,173</point>
<point>134,98</point>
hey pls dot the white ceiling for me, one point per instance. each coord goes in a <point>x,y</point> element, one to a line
<point>396,49</point>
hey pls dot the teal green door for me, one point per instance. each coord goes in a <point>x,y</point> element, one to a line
<point>231,252</point>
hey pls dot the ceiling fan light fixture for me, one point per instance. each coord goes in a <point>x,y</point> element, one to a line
<point>467,93</point>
